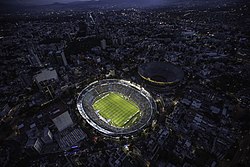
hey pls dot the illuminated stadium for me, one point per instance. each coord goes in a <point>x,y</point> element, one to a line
<point>161,73</point>
<point>116,107</point>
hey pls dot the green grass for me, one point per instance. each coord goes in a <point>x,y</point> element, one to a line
<point>120,111</point>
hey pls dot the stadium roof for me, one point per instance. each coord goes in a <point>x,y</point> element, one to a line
<point>161,73</point>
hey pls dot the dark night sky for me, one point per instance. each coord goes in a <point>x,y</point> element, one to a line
<point>42,2</point>
<point>147,2</point>
<point>38,2</point>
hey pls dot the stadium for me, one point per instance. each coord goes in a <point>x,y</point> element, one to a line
<point>161,73</point>
<point>116,107</point>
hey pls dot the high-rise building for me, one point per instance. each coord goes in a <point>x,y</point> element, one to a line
<point>46,75</point>
<point>46,81</point>
<point>103,44</point>
<point>33,58</point>
<point>64,59</point>
<point>61,59</point>
<point>34,146</point>
<point>47,136</point>
<point>62,121</point>
<point>5,110</point>
<point>25,79</point>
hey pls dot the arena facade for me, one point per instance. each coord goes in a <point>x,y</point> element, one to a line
<point>142,104</point>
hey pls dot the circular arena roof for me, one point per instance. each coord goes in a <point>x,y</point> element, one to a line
<point>135,92</point>
<point>162,73</point>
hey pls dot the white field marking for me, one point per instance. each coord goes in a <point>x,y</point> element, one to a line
<point>102,98</point>
<point>130,117</point>
<point>124,97</point>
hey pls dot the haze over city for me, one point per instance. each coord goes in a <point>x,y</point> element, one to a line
<point>46,2</point>
<point>125,83</point>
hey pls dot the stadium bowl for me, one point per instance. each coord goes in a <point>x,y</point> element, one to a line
<point>134,92</point>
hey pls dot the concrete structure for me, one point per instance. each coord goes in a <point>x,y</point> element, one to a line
<point>46,75</point>
<point>103,44</point>
<point>63,121</point>
<point>47,136</point>
<point>135,92</point>
<point>34,146</point>
<point>161,73</point>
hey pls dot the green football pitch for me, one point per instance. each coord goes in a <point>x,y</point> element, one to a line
<point>117,110</point>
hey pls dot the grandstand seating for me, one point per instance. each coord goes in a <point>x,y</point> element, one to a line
<point>95,90</point>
